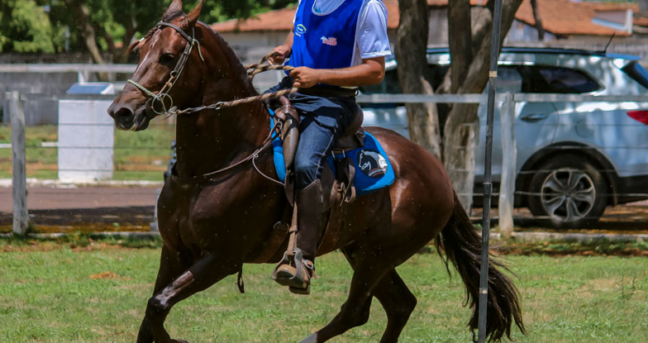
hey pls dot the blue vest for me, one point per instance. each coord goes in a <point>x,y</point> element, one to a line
<point>325,41</point>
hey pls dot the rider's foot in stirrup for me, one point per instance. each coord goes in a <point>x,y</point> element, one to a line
<point>296,278</point>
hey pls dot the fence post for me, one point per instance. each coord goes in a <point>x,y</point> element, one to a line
<point>509,161</point>
<point>19,184</point>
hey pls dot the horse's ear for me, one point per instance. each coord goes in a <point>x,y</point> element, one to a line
<point>192,17</point>
<point>134,46</point>
<point>175,7</point>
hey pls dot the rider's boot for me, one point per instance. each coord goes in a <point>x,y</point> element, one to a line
<point>297,276</point>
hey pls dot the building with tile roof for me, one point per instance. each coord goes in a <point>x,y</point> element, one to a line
<point>566,23</point>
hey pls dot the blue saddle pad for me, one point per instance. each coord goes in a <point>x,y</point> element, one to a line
<point>373,169</point>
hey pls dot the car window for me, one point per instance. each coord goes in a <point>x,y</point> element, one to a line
<point>390,84</point>
<point>552,79</point>
<point>637,73</point>
<point>508,79</point>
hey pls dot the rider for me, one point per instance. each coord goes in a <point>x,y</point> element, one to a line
<point>335,46</point>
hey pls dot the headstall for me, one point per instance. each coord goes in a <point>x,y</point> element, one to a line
<point>163,94</point>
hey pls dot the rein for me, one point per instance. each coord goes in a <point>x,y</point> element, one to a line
<point>252,70</point>
<point>267,142</point>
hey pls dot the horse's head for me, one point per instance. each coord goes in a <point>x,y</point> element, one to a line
<point>165,55</point>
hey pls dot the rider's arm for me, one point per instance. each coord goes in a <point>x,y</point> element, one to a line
<point>284,50</point>
<point>370,72</point>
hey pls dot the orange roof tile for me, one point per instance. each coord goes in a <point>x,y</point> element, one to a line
<point>564,17</point>
<point>560,17</point>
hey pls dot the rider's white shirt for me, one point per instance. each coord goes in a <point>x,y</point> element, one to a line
<point>371,33</point>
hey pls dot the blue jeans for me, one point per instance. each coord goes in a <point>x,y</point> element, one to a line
<point>322,121</point>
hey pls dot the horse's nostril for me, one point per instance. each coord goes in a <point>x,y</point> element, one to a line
<point>123,112</point>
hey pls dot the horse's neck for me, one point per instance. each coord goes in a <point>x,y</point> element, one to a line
<point>211,140</point>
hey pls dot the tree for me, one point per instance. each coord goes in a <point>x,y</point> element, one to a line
<point>643,8</point>
<point>468,73</point>
<point>411,46</point>
<point>99,26</point>
<point>538,20</point>
<point>24,27</point>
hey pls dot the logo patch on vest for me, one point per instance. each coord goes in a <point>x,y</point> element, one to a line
<point>332,41</point>
<point>300,30</point>
<point>372,163</point>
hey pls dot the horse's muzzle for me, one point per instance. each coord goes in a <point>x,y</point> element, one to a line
<point>128,119</point>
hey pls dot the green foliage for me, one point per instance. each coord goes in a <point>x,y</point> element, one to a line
<point>40,25</point>
<point>24,27</point>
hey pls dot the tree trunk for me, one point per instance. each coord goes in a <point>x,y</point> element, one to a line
<point>643,8</point>
<point>411,47</point>
<point>538,20</point>
<point>81,12</point>
<point>460,38</point>
<point>461,132</point>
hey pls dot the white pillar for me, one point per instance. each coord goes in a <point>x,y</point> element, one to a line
<point>86,139</point>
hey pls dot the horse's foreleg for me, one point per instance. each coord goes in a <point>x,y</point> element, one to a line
<point>200,276</point>
<point>172,265</point>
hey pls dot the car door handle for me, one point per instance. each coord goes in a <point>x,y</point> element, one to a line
<point>534,117</point>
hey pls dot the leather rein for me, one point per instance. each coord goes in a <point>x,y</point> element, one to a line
<point>163,95</point>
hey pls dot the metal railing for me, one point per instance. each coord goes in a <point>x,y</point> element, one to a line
<point>509,173</point>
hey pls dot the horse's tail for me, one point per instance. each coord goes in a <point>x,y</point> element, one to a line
<point>462,246</point>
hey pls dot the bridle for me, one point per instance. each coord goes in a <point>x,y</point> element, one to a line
<point>163,94</point>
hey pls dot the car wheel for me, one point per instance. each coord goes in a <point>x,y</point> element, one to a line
<point>567,191</point>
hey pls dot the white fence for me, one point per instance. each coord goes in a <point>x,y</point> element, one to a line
<point>508,141</point>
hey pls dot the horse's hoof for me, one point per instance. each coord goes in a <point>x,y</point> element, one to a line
<point>178,341</point>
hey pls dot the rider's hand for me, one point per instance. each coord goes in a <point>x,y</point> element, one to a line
<point>304,77</point>
<point>282,52</point>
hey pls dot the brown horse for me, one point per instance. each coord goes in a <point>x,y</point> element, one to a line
<point>213,222</point>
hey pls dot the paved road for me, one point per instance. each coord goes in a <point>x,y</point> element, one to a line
<point>42,198</point>
<point>84,208</point>
<point>119,208</point>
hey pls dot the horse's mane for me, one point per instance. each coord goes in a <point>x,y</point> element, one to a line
<point>232,59</point>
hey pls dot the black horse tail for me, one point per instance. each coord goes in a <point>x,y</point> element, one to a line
<point>462,246</point>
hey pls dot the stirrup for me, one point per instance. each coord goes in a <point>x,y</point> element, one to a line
<point>295,268</point>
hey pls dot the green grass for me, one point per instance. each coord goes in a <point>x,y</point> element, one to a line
<point>47,295</point>
<point>140,156</point>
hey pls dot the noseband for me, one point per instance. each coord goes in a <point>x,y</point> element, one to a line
<point>163,94</point>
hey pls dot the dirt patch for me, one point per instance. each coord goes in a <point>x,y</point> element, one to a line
<point>103,276</point>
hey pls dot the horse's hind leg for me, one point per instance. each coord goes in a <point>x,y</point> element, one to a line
<point>398,302</point>
<point>396,299</point>
<point>355,311</point>
<point>367,277</point>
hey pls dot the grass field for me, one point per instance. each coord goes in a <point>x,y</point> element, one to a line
<point>141,156</point>
<point>97,293</point>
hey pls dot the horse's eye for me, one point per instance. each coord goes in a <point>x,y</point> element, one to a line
<point>167,59</point>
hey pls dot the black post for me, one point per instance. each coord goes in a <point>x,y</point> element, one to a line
<point>488,186</point>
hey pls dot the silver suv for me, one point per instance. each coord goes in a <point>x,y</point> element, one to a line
<point>573,159</point>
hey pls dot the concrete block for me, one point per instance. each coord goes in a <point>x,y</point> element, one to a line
<point>86,138</point>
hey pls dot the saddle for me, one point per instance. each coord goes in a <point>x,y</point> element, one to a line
<point>339,186</point>
<point>352,138</point>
